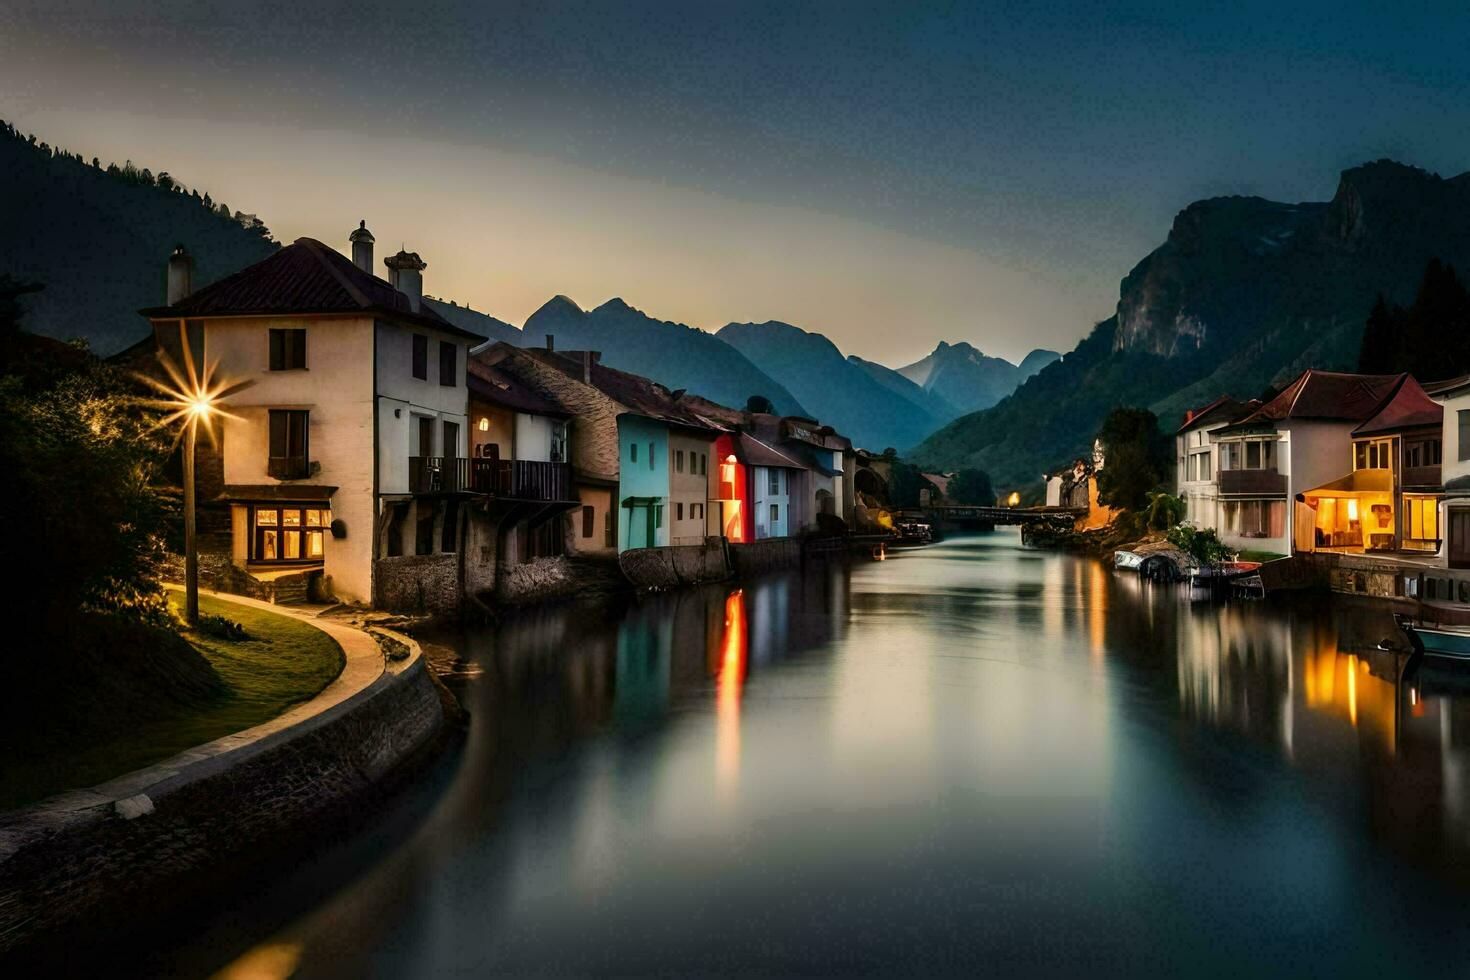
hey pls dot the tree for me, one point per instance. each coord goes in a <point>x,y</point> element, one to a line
<point>1164,510</point>
<point>971,486</point>
<point>1430,339</point>
<point>759,405</point>
<point>1379,350</point>
<point>1136,458</point>
<point>1201,544</point>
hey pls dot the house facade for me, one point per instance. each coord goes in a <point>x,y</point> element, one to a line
<point>1295,442</point>
<point>350,381</point>
<point>1197,458</point>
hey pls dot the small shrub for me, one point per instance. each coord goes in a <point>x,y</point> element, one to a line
<point>222,628</point>
<point>1201,544</point>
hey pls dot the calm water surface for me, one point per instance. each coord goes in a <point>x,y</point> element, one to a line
<point>969,757</point>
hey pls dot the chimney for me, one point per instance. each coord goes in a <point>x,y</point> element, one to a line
<point>550,343</point>
<point>180,275</point>
<point>406,273</point>
<point>587,367</point>
<point>362,247</point>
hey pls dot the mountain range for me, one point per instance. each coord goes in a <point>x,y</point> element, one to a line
<point>1243,294</point>
<point>97,237</point>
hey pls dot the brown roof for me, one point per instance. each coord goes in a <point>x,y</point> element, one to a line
<point>639,395</point>
<point>302,278</point>
<point>1326,395</point>
<point>1222,409</point>
<point>1407,406</point>
<point>494,384</point>
<point>754,452</point>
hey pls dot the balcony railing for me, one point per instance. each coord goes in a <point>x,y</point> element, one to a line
<point>1252,481</point>
<point>515,479</point>
<point>1420,476</point>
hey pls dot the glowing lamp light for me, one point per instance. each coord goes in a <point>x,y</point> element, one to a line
<point>484,424</point>
<point>1013,499</point>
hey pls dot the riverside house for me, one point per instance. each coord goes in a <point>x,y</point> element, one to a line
<point>641,457</point>
<point>1297,441</point>
<point>1198,457</point>
<point>331,460</point>
<point>1388,502</point>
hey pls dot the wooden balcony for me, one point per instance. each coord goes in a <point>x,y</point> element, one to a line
<point>511,479</point>
<point>1263,482</point>
<point>1420,476</point>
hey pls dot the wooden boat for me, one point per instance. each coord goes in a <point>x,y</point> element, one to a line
<point>1210,575</point>
<point>1441,642</point>
<point>1127,561</point>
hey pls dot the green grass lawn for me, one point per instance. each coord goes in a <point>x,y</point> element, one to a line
<point>1249,555</point>
<point>282,663</point>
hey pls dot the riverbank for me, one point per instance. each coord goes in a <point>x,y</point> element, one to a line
<point>183,825</point>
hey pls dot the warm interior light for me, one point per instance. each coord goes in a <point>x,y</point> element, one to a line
<point>484,424</point>
<point>1014,498</point>
<point>1352,508</point>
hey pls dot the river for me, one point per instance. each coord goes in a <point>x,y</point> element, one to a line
<point>968,757</point>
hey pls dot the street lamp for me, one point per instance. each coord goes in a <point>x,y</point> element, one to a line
<point>194,398</point>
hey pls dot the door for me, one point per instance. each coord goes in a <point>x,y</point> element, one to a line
<point>426,436</point>
<point>1459,537</point>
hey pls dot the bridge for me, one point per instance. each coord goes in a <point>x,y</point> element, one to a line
<point>997,516</point>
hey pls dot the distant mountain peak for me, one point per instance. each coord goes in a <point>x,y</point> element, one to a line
<point>559,304</point>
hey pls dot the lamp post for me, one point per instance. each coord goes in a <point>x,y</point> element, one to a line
<point>194,397</point>
<point>200,409</point>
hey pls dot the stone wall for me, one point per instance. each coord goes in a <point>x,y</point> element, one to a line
<point>756,557</point>
<point>670,567</point>
<point>418,584</point>
<point>73,864</point>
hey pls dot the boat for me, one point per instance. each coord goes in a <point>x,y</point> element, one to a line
<point>1222,572</point>
<point>1440,642</point>
<point>1127,561</point>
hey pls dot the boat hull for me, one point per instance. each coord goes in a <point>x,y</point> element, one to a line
<point>1445,644</point>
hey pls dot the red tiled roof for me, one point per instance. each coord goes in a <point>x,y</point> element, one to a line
<point>493,384</point>
<point>302,278</point>
<point>1407,406</point>
<point>1222,409</point>
<point>1326,395</point>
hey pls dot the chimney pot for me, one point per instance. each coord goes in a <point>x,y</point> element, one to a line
<point>362,247</point>
<point>180,275</point>
<point>550,343</point>
<point>406,274</point>
<point>587,366</point>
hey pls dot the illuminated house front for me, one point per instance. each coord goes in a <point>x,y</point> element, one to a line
<point>1389,501</point>
<point>1198,459</point>
<point>731,505</point>
<point>1298,441</point>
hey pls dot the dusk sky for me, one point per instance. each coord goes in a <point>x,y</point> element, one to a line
<point>889,175</point>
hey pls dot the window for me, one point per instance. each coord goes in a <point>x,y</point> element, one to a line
<point>1255,454</point>
<point>451,439</point>
<point>288,450</point>
<point>773,486</point>
<point>1255,518</point>
<point>678,461</point>
<point>448,363</point>
<point>1426,452</point>
<point>1464,443</point>
<point>703,462</point>
<point>589,519</point>
<point>288,533</point>
<point>1372,454</point>
<point>633,452</point>
<point>1422,515</point>
<point>426,435</point>
<point>558,442</point>
<point>421,357</point>
<point>679,511</point>
<point>775,514</point>
<point>696,511</point>
<point>288,350</point>
<point>650,455</point>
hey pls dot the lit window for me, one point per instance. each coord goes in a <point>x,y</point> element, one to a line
<point>484,424</point>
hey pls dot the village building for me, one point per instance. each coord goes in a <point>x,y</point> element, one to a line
<point>640,459</point>
<point>1197,457</point>
<point>333,458</point>
<point>1298,441</point>
<point>1389,500</point>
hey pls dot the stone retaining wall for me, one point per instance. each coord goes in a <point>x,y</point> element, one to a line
<point>768,555</point>
<point>61,863</point>
<point>418,584</point>
<point>676,565</point>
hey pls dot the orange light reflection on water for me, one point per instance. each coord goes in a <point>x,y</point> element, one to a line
<point>734,643</point>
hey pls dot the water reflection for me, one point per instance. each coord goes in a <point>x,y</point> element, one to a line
<point>969,756</point>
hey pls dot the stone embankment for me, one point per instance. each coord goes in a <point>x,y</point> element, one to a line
<point>154,834</point>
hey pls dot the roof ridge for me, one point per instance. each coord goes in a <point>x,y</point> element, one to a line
<point>317,249</point>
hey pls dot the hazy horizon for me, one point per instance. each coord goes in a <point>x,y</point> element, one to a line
<point>889,176</point>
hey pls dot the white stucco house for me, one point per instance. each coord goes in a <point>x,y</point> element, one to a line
<point>342,448</point>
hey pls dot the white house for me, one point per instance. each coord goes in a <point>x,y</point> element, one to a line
<point>338,451</point>
<point>1197,457</point>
